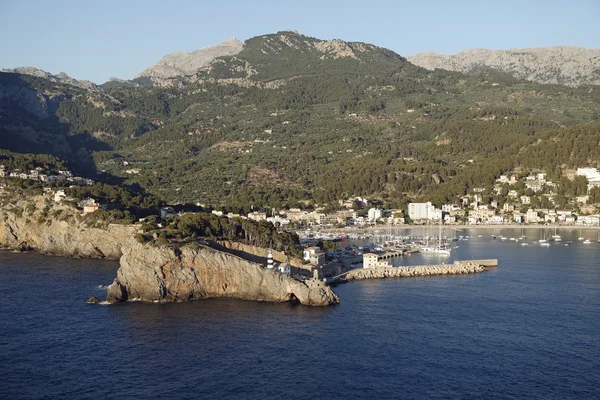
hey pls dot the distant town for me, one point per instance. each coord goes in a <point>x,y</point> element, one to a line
<point>529,199</point>
<point>477,208</point>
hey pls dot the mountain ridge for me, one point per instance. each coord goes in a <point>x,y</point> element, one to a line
<point>566,65</point>
<point>291,118</point>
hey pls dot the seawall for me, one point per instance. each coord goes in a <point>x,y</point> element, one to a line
<point>460,268</point>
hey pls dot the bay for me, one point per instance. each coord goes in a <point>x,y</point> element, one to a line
<point>528,329</point>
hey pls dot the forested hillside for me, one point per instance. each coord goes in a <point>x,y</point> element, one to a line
<point>292,118</point>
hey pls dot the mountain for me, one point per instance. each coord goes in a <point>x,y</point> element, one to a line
<point>563,65</point>
<point>291,118</point>
<point>181,64</point>
<point>60,78</point>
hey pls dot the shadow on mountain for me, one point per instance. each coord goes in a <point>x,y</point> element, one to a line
<point>29,123</point>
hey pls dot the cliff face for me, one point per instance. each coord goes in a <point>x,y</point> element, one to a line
<point>196,271</point>
<point>565,65</point>
<point>69,237</point>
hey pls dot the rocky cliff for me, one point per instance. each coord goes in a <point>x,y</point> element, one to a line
<point>565,65</point>
<point>460,268</point>
<point>195,271</point>
<point>148,272</point>
<point>40,224</point>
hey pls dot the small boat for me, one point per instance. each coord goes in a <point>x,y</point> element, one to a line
<point>545,244</point>
<point>587,241</point>
<point>524,244</point>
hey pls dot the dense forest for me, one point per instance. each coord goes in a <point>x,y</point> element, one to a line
<point>285,121</point>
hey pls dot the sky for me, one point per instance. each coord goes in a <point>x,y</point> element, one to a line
<point>95,40</point>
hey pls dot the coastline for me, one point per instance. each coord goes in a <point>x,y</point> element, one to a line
<point>461,227</point>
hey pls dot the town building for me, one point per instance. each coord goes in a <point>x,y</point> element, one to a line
<point>424,211</point>
<point>371,260</point>
<point>257,216</point>
<point>374,214</point>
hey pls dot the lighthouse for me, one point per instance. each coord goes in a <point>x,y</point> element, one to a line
<point>270,260</point>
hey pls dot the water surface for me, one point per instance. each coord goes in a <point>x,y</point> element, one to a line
<point>529,329</point>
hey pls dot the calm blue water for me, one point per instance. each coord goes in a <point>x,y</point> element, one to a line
<point>529,329</point>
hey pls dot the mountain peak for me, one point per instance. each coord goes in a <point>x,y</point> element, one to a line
<point>180,63</point>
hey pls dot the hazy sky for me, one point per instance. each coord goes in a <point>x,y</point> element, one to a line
<point>99,39</point>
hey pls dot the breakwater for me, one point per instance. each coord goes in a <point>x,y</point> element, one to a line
<point>458,268</point>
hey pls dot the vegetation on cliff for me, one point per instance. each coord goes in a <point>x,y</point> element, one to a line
<point>206,225</point>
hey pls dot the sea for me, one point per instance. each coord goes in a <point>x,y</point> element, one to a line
<point>529,329</point>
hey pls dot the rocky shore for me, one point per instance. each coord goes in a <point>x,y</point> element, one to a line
<point>148,272</point>
<point>460,268</point>
<point>67,236</point>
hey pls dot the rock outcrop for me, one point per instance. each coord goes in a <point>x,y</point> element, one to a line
<point>196,271</point>
<point>565,65</point>
<point>181,64</point>
<point>460,268</point>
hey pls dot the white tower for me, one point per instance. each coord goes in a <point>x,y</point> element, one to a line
<point>270,260</point>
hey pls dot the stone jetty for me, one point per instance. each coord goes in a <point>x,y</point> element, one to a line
<point>458,268</point>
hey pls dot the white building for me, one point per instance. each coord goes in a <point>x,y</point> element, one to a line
<point>589,173</point>
<point>59,196</point>
<point>371,260</point>
<point>257,216</point>
<point>374,214</point>
<point>427,210</point>
<point>278,220</point>
<point>532,216</point>
<point>310,251</point>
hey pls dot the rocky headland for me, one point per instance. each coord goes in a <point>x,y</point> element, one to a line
<point>149,272</point>
<point>179,272</point>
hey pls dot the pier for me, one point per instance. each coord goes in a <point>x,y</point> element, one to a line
<point>457,268</point>
<point>488,263</point>
<point>389,254</point>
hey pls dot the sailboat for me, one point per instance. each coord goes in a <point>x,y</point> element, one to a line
<point>557,238</point>
<point>580,237</point>
<point>543,241</point>
<point>441,248</point>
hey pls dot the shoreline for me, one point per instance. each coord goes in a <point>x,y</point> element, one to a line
<point>460,227</point>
